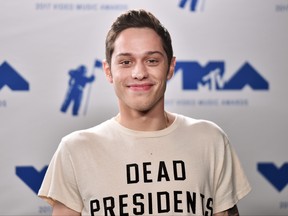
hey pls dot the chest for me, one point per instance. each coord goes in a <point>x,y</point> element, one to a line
<point>144,178</point>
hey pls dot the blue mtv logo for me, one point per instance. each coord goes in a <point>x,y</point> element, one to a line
<point>193,5</point>
<point>278,177</point>
<point>194,76</point>
<point>78,80</point>
<point>11,78</point>
<point>31,177</point>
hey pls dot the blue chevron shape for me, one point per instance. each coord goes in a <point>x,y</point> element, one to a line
<point>31,177</point>
<point>278,177</point>
<point>11,78</point>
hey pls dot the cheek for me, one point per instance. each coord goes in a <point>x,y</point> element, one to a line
<point>120,76</point>
<point>118,81</point>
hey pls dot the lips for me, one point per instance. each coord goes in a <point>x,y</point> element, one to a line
<point>140,87</point>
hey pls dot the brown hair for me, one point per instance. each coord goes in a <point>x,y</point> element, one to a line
<point>137,19</point>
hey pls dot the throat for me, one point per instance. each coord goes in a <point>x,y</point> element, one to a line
<point>144,122</point>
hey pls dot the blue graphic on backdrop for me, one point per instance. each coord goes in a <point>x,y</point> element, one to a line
<point>192,4</point>
<point>76,85</point>
<point>278,177</point>
<point>211,75</point>
<point>31,177</point>
<point>11,78</point>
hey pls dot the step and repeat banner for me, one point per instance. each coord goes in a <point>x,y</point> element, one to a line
<point>232,68</point>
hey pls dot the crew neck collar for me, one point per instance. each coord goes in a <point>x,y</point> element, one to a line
<point>156,133</point>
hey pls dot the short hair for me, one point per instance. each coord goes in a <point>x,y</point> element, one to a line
<point>137,19</point>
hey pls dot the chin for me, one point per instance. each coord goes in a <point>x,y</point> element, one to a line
<point>141,107</point>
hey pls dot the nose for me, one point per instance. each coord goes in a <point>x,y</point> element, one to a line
<point>139,71</point>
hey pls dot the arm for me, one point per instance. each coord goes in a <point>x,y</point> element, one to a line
<point>91,78</point>
<point>230,212</point>
<point>61,209</point>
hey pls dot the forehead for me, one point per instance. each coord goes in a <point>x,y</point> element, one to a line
<point>137,41</point>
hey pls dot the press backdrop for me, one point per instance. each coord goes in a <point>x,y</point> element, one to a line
<point>232,69</point>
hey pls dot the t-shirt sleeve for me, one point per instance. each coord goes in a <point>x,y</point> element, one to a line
<point>232,184</point>
<point>60,182</point>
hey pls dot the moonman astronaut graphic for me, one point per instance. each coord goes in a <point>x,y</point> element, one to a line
<point>77,83</point>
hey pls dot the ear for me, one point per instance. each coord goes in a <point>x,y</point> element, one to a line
<point>171,68</point>
<point>107,70</point>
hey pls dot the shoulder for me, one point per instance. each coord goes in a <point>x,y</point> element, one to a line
<point>206,126</point>
<point>87,136</point>
<point>204,131</point>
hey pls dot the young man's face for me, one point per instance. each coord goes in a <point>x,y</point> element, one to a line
<point>139,69</point>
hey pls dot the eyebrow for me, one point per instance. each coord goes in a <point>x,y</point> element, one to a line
<point>146,53</point>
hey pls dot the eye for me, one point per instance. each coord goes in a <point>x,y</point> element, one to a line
<point>125,63</point>
<point>152,61</point>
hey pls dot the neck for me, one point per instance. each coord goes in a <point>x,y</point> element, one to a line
<point>145,121</point>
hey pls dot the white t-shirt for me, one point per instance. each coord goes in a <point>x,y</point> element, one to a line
<point>188,168</point>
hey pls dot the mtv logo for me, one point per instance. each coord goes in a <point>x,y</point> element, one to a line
<point>212,75</point>
<point>31,177</point>
<point>278,177</point>
<point>194,4</point>
<point>11,78</point>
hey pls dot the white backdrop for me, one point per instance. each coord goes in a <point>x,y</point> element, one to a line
<point>232,69</point>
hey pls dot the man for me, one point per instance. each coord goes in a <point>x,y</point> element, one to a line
<point>144,161</point>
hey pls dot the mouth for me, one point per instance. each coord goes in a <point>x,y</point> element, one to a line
<point>140,87</point>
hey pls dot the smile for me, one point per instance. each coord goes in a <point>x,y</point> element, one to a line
<point>140,87</point>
